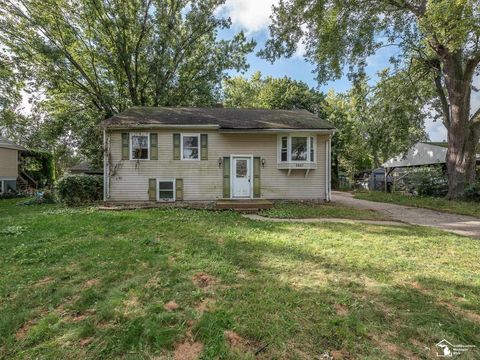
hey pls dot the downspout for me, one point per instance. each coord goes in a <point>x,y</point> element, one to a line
<point>106,166</point>
<point>329,167</point>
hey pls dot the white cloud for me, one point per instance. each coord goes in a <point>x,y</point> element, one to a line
<point>249,15</point>
<point>436,130</point>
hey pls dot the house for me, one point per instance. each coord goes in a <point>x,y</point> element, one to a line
<point>207,154</point>
<point>85,168</point>
<point>9,155</point>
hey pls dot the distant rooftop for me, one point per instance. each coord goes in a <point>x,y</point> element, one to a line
<point>223,118</point>
<point>7,144</point>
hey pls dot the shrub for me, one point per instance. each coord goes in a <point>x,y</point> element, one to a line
<point>428,181</point>
<point>472,192</point>
<point>80,189</point>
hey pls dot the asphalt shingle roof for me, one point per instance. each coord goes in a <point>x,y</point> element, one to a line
<point>5,143</point>
<point>224,118</point>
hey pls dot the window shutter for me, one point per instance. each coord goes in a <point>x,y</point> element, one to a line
<point>125,146</point>
<point>204,146</point>
<point>152,189</point>
<point>179,189</point>
<point>226,177</point>
<point>153,146</point>
<point>176,146</point>
<point>256,177</point>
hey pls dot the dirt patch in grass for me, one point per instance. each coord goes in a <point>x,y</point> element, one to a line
<point>341,310</point>
<point>45,281</point>
<point>171,306</point>
<point>23,331</point>
<point>237,342</point>
<point>392,350</point>
<point>85,342</point>
<point>203,280</point>
<point>340,355</point>
<point>188,350</point>
<point>89,283</point>
<point>205,305</point>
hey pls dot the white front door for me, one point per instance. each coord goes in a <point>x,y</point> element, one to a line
<point>241,178</point>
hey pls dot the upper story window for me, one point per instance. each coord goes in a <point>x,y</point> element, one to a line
<point>140,143</point>
<point>297,148</point>
<point>190,147</point>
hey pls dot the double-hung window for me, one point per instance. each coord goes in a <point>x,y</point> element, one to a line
<point>297,148</point>
<point>140,143</point>
<point>190,147</point>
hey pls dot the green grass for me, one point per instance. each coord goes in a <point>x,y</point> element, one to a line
<point>81,283</point>
<point>298,210</point>
<point>439,204</point>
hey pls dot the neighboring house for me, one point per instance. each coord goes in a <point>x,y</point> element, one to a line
<point>8,165</point>
<point>207,154</point>
<point>85,168</point>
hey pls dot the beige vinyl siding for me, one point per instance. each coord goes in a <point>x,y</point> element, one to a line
<point>8,163</point>
<point>202,180</point>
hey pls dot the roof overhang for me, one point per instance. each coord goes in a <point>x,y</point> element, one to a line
<point>159,126</point>
<point>276,131</point>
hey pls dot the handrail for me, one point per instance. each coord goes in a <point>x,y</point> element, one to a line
<point>29,178</point>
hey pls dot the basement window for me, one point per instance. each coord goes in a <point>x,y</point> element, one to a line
<point>166,190</point>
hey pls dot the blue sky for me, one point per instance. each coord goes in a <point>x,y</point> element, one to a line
<point>253,17</point>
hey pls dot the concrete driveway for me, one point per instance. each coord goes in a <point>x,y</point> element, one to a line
<point>458,224</point>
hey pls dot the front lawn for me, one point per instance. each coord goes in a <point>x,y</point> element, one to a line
<point>434,203</point>
<point>82,283</point>
<point>297,210</point>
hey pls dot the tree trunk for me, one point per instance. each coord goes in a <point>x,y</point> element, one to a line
<point>462,142</point>
<point>462,133</point>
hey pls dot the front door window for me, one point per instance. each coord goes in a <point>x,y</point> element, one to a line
<point>241,177</point>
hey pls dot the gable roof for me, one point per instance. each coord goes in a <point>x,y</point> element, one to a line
<point>7,144</point>
<point>420,154</point>
<point>221,118</point>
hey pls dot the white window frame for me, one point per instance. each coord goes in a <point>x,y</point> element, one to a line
<point>2,186</point>
<point>174,182</point>
<point>132,134</point>
<point>289,148</point>
<point>199,147</point>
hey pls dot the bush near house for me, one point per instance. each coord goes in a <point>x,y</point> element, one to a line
<point>80,189</point>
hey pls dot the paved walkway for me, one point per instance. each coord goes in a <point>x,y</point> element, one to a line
<point>459,224</point>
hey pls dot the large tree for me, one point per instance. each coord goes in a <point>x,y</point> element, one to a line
<point>94,58</point>
<point>441,37</point>
<point>271,93</point>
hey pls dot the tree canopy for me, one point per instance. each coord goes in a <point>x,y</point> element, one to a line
<point>271,93</point>
<point>438,40</point>
<point>93,58</point>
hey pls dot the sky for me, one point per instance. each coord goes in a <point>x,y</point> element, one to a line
<point>253,17</point>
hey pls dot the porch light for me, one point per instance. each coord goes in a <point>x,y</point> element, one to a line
<point>263,163</point>
<point>220,161</point>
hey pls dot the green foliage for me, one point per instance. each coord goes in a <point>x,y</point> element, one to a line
<point>472,192</point>
<point>429,181</point>
<point>271,93</point>
<point>432,40</point>
<point>376,122</point>
<point>92,59</point>
<point>39,165</point>
<point>75,190</point>
<point>302,210</point>
<point>85,284</point>
<point>433,203</point>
